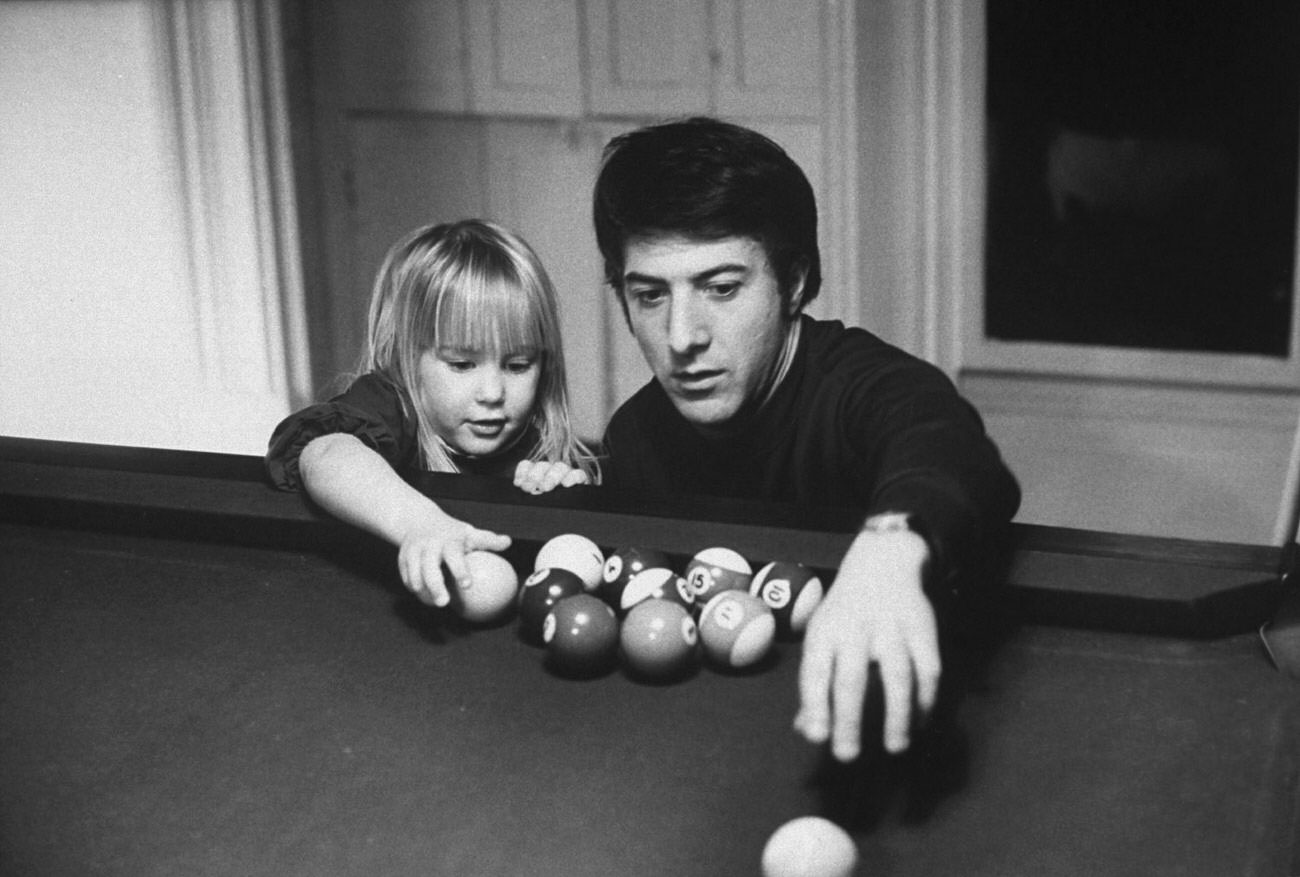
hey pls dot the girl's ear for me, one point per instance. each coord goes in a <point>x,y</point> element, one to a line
<point>794,290</point>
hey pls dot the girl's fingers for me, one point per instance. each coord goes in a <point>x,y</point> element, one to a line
<point>539,476</point>
<point>453,557</point>
<point>552,475</point>
<point>524,478</point>
<point>414,570</point>
<point>574,478</point>
<point>486,540</point>
<point>434,582</point>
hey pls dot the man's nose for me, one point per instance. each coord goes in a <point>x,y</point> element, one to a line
<point>687,324</point>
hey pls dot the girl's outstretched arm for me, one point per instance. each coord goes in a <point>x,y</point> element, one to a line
<point>356,485</point>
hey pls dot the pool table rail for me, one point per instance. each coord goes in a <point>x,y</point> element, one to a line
<point>1050,574</point>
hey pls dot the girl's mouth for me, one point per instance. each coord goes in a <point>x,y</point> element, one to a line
<point>490,428</point>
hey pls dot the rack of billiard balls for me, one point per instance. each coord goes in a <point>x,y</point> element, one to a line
<point>590,610</point>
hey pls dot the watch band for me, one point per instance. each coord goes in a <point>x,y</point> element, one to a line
<point>888,522</point>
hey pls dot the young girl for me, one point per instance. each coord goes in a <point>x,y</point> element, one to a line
<point>463,372</point>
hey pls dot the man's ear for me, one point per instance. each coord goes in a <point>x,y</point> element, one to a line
<point>793,299</point>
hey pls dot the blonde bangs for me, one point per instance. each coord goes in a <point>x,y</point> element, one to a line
<point>478,312</point>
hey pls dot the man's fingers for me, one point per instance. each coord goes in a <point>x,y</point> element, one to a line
<point>928,670</point>
<point>848,693</point>
<point>896,680</point>
<point>813,719</point>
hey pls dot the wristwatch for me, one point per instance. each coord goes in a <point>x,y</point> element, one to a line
<point>936,572</point>
<point>889,522</point>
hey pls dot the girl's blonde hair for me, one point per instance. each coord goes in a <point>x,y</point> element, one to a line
<point>473,285</point>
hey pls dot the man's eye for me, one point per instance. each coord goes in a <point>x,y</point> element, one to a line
<point>646,296</point>
<point>724,290</point>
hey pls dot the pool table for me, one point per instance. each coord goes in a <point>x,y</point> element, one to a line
<point>201,675</point>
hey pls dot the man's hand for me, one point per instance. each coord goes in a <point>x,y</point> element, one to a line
<point>875,612</point>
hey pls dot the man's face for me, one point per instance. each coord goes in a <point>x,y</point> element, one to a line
<point>709,320</point>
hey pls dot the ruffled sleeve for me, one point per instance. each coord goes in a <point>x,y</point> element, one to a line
<point>371,409</point>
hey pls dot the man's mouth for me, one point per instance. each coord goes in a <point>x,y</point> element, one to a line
<point>697,380</point>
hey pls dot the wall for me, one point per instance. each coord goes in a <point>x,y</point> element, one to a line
<point>132,283</point>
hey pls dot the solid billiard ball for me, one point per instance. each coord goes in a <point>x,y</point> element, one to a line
<point>792,591</point>
<point>655,583</point>
<point>809,846</point>
<point>578,554</point>
<point>490,591</point>
<point>717,569</point>
<point>659,639</point>
<point>581,635</point>
<point>541,591</point>
<point>622,564</point>
<point>737,629</point>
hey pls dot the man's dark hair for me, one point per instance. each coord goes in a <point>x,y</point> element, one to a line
<point>707,179</point>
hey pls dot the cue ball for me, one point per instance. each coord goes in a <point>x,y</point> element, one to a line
<point>659,639</point>
<point>809,846</point>
<point>492,591</point>
<point>714,570</point>
<point>581,635</point>
<point>737,629</point>
<point>656,583</point>
<point>622,564</point>
<point>541,591</point>
<point>578,554</point>
<point>792,591</point>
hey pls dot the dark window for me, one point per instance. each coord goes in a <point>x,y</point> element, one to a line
<point>1142,173</point>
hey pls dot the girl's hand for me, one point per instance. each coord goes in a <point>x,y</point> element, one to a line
<point>439,540</point>
<point>539,476</point>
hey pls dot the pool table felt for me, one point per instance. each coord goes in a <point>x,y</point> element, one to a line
<point>190,707</point>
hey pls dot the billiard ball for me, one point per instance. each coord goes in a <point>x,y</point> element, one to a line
<point>717,569</point>
<point>659,639</point>
<point>622,564</point>
<point>490,591</point>
<point>792,591</point>
<point>736,629</point>
<point>581,635</point>
<point>541,591</point>
<point>809,846</point>
<point>655,583</point>
<point>578,554</point>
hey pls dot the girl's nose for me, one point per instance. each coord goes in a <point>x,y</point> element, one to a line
<point>491,387</point>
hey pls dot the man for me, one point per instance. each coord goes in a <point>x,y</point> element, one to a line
<point>709,237</point>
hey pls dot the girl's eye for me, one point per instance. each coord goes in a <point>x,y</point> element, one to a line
<point>459,365</point>
<point>520,366</point>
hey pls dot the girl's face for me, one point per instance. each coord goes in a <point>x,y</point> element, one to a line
<point>478,400</point>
